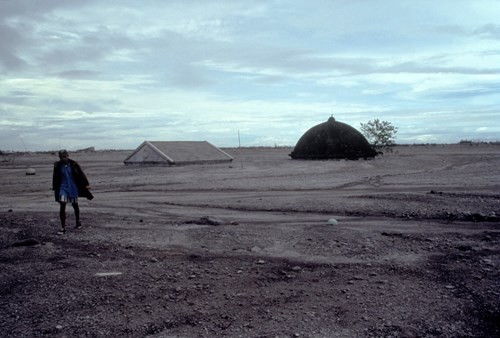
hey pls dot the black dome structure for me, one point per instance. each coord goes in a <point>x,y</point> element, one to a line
<point>332,140</point>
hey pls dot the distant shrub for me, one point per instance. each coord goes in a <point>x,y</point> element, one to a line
<point>380,134</point>
<point>475,142</point>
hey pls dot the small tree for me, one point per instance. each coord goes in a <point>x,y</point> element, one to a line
<point>380,134</point>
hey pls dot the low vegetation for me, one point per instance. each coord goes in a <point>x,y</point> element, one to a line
<point>380,134</point>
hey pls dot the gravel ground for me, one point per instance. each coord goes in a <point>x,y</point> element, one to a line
<point>406,245</point>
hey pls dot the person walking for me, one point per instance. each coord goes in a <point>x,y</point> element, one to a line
<point>69,182</point>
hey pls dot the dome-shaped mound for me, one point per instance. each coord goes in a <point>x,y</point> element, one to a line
<point>332,140</point>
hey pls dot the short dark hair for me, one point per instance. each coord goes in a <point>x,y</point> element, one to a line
<point>63,152</point>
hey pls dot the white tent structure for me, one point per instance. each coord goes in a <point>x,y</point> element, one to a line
<point>177,153</point>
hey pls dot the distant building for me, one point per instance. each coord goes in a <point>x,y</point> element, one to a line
<point>332,140</point>
<point>176,153</point>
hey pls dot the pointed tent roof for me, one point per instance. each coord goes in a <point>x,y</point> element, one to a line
<point>332,140</point>
<point>177,153</point>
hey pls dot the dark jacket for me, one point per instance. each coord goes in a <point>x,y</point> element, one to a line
<point>80,179</point>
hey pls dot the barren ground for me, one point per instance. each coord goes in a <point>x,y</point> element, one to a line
<point>415,251</point>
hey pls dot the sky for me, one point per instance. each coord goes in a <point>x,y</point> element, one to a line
<point>114,73</point>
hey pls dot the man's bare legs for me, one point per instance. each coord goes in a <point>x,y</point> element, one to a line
<point>62,216</point>
<point>76,208</point>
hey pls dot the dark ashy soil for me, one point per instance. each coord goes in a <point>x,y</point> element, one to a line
<point>250,249</point>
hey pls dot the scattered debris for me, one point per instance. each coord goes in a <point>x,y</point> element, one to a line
<point>332,221</point>
<point>392,234</point>
<point>211,220</point>
<point>30,171</point>
<point>106,274</point>
<point>86,150</point>
<point>480,217</point>
<point>26,242</point>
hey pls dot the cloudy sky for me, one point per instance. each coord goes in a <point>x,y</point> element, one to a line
<point>113,73</point>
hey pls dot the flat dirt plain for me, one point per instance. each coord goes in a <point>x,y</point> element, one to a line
<point>244,249</point>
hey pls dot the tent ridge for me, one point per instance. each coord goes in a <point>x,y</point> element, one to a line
<point>177,153</point>
<point>161,153</point>
<point>222,151</point>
